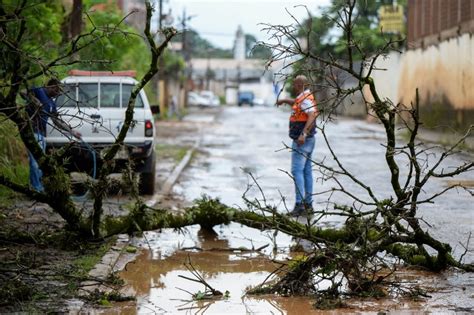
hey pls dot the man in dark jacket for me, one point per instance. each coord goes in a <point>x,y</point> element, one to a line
<point>41,107</point>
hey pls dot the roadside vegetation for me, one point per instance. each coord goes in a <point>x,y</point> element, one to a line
<point>170,151</point>
<point>13,161</point>
<point>48,272</point>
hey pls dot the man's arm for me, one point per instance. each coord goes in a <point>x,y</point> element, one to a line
<point>61,124</point>
<point>307,127</point>
<point>35,105</point>
<point>288,101</point>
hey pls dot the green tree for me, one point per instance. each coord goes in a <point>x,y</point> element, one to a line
<point>26,60</point>
<point>325,35</point>
<point>41,30</point>
<point>123,49</point>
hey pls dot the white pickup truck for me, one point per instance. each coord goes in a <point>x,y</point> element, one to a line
<point>94,103</point>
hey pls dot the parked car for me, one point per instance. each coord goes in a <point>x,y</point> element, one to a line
<point>213,100</point>
<point>94,103</point>
<point>194,99</point>
<point>246,97</point>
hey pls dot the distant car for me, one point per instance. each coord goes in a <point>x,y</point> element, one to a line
<point>246,97</point>
<point>194,99</point>
<point>211,97</point>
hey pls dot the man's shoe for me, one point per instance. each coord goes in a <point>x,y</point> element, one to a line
<point>308,209</point>
<point>298,210</point>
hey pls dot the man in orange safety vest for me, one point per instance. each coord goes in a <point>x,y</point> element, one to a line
<point>302,131</point>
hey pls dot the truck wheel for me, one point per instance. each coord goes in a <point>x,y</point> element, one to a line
<point>147,179</point>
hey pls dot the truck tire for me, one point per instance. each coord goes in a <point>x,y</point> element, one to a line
<point>147,179</point>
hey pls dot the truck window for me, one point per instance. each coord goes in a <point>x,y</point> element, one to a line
<point>68,96</point>
<point>126,91</point>
<point>87,95</point>
<point>109,95</point>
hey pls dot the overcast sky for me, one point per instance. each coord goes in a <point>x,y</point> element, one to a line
<point>217,20</point>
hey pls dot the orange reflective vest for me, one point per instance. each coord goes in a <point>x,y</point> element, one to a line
<point>299,117</point>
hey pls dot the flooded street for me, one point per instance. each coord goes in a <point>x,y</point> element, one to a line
<point>237,141</point>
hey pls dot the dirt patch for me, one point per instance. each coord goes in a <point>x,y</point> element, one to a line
<point>41,266</point>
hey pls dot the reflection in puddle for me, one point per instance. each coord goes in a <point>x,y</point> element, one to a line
<point>154,278</point>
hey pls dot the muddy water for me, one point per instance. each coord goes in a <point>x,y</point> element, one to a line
<point>154,278</point>
<point>222,259</point>
<point>239,141</point>
<point>227,260</point>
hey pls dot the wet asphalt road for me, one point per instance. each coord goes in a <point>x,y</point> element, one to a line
<point>237,141</point>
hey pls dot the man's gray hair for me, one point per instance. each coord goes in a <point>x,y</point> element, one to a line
<point>302,78</point>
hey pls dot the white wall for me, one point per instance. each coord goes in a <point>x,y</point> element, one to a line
<point>444,72</point>
<point>388,76</point>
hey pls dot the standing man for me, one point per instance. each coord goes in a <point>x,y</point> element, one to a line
<point>40,108</point>
<point>302,131</point>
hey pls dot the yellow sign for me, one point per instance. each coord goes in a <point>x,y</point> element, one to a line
<point>392,19</point>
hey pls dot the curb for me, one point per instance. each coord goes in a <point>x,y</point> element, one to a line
<point>173,177</point>
<point>106,266</point>
<point>168,185</point>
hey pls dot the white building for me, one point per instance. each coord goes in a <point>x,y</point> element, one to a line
<point>239,44</point>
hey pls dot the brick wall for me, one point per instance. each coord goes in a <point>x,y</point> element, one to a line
<point>432,21</point>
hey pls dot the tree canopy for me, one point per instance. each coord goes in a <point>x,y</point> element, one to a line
<point>325,34</point>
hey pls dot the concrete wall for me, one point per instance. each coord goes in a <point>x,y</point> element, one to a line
<point>444,75</point>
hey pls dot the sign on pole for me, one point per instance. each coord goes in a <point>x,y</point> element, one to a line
<point>392,19</point>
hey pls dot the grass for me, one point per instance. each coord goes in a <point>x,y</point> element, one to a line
<point>13,160</point>
<point>169,151</point>
<point>92,256</point>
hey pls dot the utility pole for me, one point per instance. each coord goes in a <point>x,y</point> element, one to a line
<point>186,58</point>
<point>160,97</point>
<point>160,18</point>
<point>184,39</point>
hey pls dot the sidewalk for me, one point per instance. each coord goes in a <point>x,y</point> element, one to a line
<point>446,139</point>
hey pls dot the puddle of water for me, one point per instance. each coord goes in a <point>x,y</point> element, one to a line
<point>154,278</point>
<point>155,275</point>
